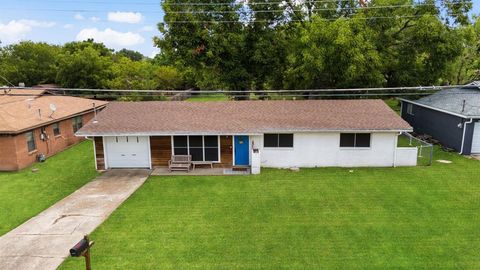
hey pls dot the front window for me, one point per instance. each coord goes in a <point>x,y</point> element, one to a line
<point>356,140</point>
<point>201,148</point>
<point>77,123</point>
<point>31,146</point>
<point>56,129</point>
<point>278,140</point>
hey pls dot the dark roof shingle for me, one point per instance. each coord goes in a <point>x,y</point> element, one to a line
<point>464,101</point>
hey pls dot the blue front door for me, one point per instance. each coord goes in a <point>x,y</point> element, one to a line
<point>241,150</point>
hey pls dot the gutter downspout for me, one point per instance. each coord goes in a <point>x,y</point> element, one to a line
<point>463,136</point>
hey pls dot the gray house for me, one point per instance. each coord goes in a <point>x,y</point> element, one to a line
<point>450,116</point>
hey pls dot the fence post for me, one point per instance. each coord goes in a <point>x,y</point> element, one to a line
<point>431,155</point>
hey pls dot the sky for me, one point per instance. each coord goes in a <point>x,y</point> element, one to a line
<point>119,24</point>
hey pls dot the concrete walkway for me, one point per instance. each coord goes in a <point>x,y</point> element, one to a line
<point>43,242</point>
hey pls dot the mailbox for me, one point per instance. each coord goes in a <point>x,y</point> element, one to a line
<point>79,248</point>
<point>82,248</point>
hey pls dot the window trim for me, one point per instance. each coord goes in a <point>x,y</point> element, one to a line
<point>354,147</point>
<point>278,141</point>
<point>58,128</point>
<point>410,109</point>
<point>75,123</point>
<point>33,140</point>
<point>203,147</point>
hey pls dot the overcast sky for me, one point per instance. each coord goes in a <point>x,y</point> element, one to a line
<point>119,24</point>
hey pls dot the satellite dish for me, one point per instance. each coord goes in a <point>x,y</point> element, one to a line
<point>53,108</point>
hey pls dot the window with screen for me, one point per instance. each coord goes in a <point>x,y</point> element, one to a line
<point>278,140</point>
<point>356,140</point>
<point>201,148</point>
<point>77,123</point>
<point>56,129</point>
<point>30,136</point>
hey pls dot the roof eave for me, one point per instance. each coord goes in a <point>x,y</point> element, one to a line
<point>102,134</point>
<point>440,110</point>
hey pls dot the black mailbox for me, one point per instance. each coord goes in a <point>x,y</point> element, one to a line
<point>79,248</point>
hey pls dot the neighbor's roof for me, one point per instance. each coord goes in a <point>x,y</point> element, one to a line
<point>463,101</point>
<point>22,92</point>
<point>20,111</point>
<point>242,117</point>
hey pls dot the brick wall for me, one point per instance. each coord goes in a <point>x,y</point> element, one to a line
<point>17,145</point>
<point>8,154</point>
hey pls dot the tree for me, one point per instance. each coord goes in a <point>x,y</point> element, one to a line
<point>335,54</point>
<point>128,74</point>
<point>29,62</point>
<point>466,67</point>
<point>132,55</point>
<point>84,68</point>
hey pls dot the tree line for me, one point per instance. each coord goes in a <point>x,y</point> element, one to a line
<point>309,44</point>
<point>85,64</point>
<point>313,44</point>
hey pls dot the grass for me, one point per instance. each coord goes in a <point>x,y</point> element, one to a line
<point>24,194</point>
<point>209,97</point>
<point>394,104</point>
<point>326,218</point>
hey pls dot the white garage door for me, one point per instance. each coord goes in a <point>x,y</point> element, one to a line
<point>476,139</point>
<point>127,152</point>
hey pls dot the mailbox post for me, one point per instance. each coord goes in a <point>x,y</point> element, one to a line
<point>82,248</point>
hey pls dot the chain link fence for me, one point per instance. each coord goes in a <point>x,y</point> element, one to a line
<point>425,149</point>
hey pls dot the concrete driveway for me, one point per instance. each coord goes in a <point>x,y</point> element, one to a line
<point>43,242</point>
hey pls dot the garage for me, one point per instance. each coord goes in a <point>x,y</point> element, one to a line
<point>127,152</point>
<point>476,139</point>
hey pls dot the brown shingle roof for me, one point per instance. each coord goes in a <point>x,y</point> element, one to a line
<point>22,92</point>
<point>20,113</point>
<point>247,117</point>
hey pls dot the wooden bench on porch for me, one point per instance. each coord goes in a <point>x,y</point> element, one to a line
<point>180,163</point>
<point>201,163</point>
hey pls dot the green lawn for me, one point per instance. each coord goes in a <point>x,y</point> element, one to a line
<point>24,194</point>
<point>326,218</point>
<point>209,97</point>
<point>394,104</point>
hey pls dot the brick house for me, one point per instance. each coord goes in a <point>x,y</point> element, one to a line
<point>32,123</point>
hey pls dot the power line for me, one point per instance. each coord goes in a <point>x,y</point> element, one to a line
<point>283,96</point>
<point>374,89</point>
<point>294,20</point>
<point>283,10</point>
<point>156,3</point>
<point>252,3</point>
<point>229,11</point>
<point>6,80</point>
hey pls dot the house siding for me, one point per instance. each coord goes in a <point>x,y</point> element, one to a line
<point>226,152</point>
<point>467,147</point>
<point>17,154</point>
<point>317,149</point>
<point>8,153</point>
<point>441,126</point>
<point>99,153</point>
<point>161,150</point>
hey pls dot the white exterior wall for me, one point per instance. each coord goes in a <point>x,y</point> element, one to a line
<point>406,156</point>
<point>323,150</point>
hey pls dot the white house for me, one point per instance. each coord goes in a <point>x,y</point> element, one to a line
<point>308,133</point>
